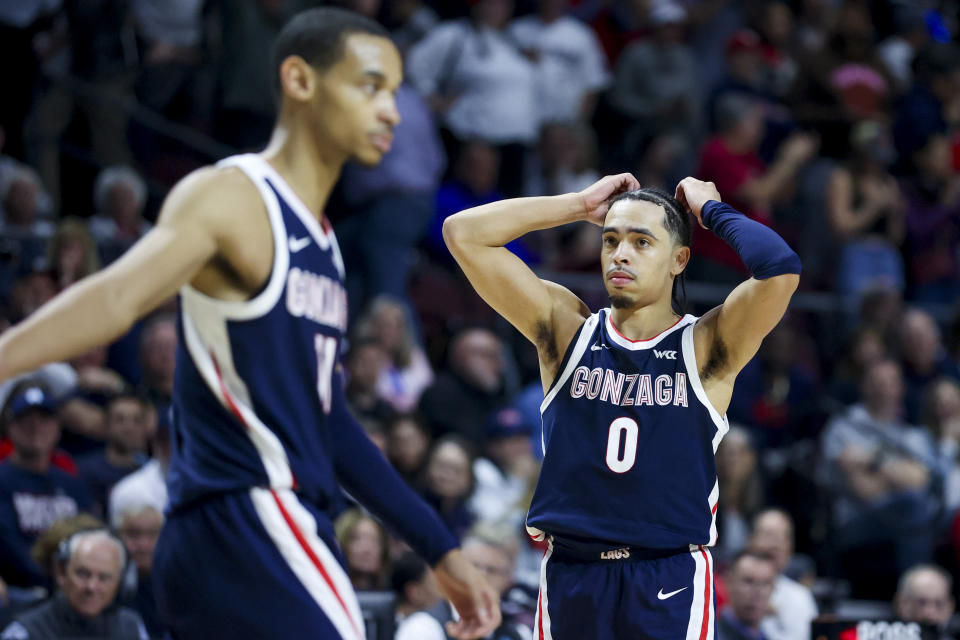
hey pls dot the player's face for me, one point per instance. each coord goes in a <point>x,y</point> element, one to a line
<point>355,106</point>
<point>639,256</point>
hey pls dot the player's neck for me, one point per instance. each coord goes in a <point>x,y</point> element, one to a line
<point>646,322</point>
<point>300,162</point>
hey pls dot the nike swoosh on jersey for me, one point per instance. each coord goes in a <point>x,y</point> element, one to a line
<point>296,244</point>
<point>663,596</point>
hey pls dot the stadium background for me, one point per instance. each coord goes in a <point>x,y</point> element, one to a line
<point>835,122</point>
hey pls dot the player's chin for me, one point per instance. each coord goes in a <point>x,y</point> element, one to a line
<point>621,300</point>
<point>368,158</point>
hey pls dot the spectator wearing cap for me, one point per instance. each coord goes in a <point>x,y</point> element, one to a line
<point>124,453</point>
<point>33,493</point>
<point>416,590</point>
<point>507,472</point>
<point>89,571</point>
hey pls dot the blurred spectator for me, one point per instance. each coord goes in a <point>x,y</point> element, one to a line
<point>450,482</point>
<point>940,413</point>
<point>412,20</point>
<point>124,452</point>
<point>147,485</point>
<point>72,253</point>
<point>923,357</point>
<point>656,87</point>
<point>464,395</point>
<point>569,63</point>
<point>33,493</point>
<point>750,582</point>
<point>379,244</point>
<point>30,292</point>
<point>245,99</point>
<point>416,590</point>
<point>566,160</point>
<point>743,490</point>
<point>138,526</point>
<point>21,195</point>
<point>366,361</point>
<point>365,549</point>
<point>744,180</point>
<point>407,372</point>
<point>407,447</point>
<point>775,396</point>
<point>83,414</point>
<point>45,550</point>
<point>480,85</point>
<point>158,352</point>
<point>932,193</point>
<point>843,83</point>
<point>617,24</point>
<point>119,197</point>
<point>932,101</point>
<point>899,50</point>
<point>792,603</point>
<point>865,347</point>
<point>925,595</point>
<point>775,28</point>
<point>505,477</point>
<point>89,575</point>
<point>878,469</point>
<point>866,213</point>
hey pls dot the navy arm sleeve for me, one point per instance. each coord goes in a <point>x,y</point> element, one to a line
<point>763,251</point>
<point>372,480</point>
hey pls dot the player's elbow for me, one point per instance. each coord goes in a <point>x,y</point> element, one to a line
<point>454,232</point>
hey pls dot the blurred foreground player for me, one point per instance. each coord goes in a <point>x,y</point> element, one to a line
<point>261,431</point>
<point>635,399</point>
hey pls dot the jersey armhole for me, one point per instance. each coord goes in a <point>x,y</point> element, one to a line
<point>578,344</point>
<point>693,374</point>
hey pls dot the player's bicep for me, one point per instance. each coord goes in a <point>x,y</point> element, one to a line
<point>749,313</point>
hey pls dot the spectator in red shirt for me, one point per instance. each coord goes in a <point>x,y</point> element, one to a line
<point>730,160</point>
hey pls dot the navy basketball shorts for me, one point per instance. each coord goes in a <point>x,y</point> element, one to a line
<point>258,564</point>
<point>618,594</point>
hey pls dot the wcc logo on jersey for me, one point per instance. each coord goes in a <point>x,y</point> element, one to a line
<point>635,389</point>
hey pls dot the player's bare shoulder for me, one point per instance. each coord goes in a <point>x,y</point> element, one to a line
<point>223,204</point>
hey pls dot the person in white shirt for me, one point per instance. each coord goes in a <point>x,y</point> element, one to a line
<point>571,68</point>
<point>793,605</point>
<point>416,590</point>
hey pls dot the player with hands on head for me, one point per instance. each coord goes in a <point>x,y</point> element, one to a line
<point>635,398</point>
<point>261,433</point>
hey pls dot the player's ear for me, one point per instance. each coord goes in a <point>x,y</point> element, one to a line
<point>298,80</point>
<point>681,257</point>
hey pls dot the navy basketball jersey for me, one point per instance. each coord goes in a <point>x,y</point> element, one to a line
<point>629,438</point>
<point>252,389</point>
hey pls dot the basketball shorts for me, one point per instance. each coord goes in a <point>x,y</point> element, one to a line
<point>256,565</point>
<point>595,591</point>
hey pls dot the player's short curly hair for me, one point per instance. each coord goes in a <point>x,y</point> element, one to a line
<point>677,222</point>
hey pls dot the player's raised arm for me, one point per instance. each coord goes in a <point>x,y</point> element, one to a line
<point>728,336</point>
<point>476,238</point>
<point>100,308</point>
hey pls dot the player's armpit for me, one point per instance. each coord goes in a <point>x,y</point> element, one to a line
<point>100,308</point>
<point>728,336</point>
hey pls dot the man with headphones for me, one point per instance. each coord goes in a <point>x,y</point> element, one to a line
<point>90,567</point>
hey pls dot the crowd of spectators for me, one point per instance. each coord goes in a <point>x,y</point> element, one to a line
<point>837,122</point>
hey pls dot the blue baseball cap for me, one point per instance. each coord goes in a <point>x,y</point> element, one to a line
<point>29,399</point>
<point>506,423</point>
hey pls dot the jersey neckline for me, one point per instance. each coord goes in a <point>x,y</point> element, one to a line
<point>636,345</point>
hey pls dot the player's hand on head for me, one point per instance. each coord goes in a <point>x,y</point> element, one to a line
<point>467,590</point>
<point>693,194</point>
<point>596,198</point>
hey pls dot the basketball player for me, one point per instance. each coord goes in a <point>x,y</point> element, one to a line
<point>636,397</point>
<point>261,433</point>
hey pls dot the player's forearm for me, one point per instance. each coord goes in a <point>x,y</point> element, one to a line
<point>497,223</point>
<point>86,315</point>
<point>765,254</point>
